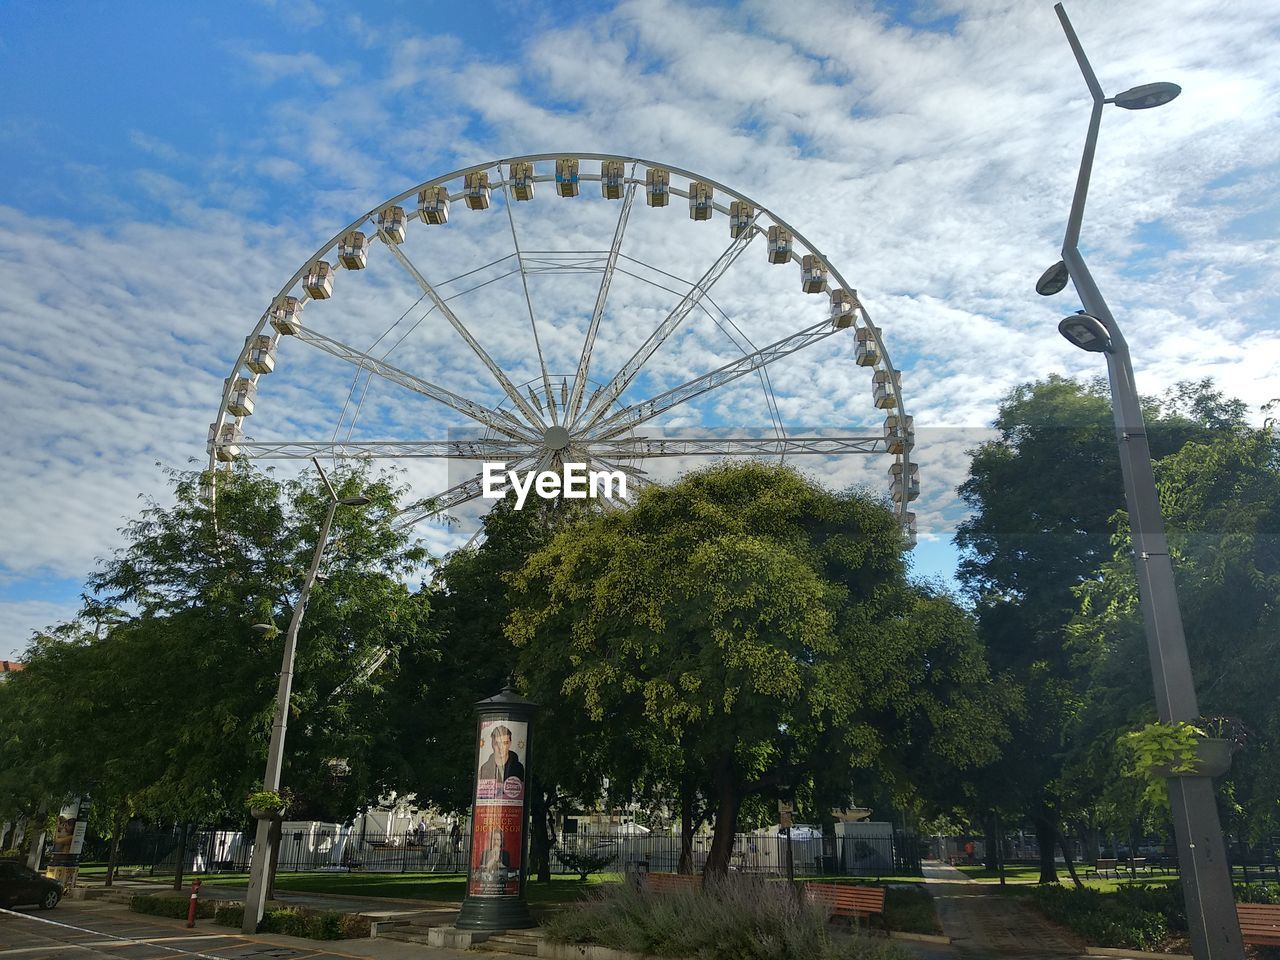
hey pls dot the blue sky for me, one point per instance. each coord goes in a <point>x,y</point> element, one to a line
<point>168,168</point>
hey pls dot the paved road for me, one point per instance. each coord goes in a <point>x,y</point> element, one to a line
<point>91,930</point>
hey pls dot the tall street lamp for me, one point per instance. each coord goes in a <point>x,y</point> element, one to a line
<point>256,898</point>
<point>1206,878</point>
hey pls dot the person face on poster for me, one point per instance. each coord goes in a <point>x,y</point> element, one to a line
<point>503,762</point>
<point>64,833</point>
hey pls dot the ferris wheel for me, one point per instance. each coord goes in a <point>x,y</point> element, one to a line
<point>539,332</point>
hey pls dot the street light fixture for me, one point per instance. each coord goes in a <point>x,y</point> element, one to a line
<point>256,897</point>
<point>1146,96</point>
<point>1206,880</point>
<point>1086,332</point>
<point>1054,280</point>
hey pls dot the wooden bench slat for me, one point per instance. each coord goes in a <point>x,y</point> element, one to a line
<point>666,882</point>
<point>847,900</point>
<point>1259,923</point>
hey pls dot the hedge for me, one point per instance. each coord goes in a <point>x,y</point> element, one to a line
<point>290,921</point>
<point>175,906</point>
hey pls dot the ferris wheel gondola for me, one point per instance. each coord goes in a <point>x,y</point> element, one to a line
<point>579,414</point>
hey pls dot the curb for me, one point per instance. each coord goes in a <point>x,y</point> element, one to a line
<point>921,937</point>
<point>1133,954</point>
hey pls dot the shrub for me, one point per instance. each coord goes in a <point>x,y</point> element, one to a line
<point>299,922</point>
<point>1137,917</point>
<point>1261,892</point>
<point>910,909</point>
<point>739,918</point>
<point>585,862</point>
<point>175,906</point>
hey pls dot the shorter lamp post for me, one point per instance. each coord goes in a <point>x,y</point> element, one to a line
<point>1206,878</point>
<point>256,897</point>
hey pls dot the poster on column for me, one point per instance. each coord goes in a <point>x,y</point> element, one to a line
<point>68,841</point>
<point>498,834</point>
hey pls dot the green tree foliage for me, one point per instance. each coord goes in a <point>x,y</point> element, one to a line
<point>167,711</point>
<point>435,692</point>
<point>1042,494</point>
<point>1221,500</point>
<point>764,625</point>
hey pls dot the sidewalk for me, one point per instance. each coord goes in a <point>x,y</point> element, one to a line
<point>983,923</point>
<point>101,928</point>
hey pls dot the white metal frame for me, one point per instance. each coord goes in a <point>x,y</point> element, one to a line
<point>599,426</point>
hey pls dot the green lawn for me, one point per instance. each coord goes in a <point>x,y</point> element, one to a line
<point>1029,875</point>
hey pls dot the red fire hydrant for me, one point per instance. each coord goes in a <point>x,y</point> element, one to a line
<point>191,909</point>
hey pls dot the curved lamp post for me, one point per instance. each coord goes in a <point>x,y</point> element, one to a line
<point>256,897</point>
<point>1206,878</point>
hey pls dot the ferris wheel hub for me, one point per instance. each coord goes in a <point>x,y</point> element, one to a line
<point>556,438</point>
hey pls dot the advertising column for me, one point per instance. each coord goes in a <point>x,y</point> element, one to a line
<point>496,868</point>
<point>68,841</point>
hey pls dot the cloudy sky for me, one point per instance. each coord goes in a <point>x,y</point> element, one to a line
<point>166,172</point>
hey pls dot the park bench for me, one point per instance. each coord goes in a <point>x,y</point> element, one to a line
<point>845,900</point>
<point>671,882</point>
<point>1104,867</point>
<point>1136,864</point>
<point>1260,923</point>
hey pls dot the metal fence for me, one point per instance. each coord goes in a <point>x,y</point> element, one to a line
<point>334,848</point>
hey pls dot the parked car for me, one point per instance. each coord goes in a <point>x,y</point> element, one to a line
<point>20,886</point>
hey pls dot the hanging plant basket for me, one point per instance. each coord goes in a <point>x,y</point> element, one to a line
<point>1213,759</point>
<point>266,804</point>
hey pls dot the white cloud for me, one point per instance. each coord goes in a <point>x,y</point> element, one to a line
<point>933,167</point>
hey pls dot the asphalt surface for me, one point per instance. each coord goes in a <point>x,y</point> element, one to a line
<point>91,930</point>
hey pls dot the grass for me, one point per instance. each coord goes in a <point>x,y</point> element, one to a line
<point>1030,875</point>
<point>907,906</point>
<point>446,887</point>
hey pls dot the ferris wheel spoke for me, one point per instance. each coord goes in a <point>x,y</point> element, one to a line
<point>600,404</point>
<point>584,363</point>
<point>725,324</point>
<point>638,413</point>
<point>460,493</point>
<point>498,420</point>
<point>634,474</point>
<point>480,449</point>
<point>637,448</point>
<point>503,380</point>
<point>524,282</point>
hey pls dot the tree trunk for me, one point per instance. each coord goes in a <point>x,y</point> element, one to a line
<point>180,860</point>
<point>113,858</point>
<point>539,843</point>
<point>990,851</point>
<point>686,825</point>
<point>727,801</point>
<point>1066,855</point>
<point>277,823</point>
<point>1092,837</point>
<point>1046,834</point>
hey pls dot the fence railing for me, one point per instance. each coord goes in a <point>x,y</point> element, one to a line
<point>340,849</point>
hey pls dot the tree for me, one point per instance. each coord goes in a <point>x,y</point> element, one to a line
<point>435,692</point>
<point>1221,500</point>
<point>167,712</point>
<point>1042,494</point>
<point>762,625</point>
